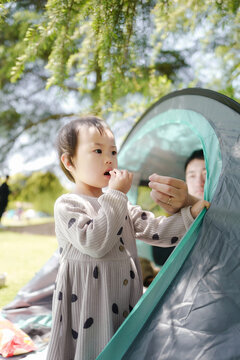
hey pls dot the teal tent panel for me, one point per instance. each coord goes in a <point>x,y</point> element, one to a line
<point>198,315</point>
<point>127,333</point>
<point>167,135</point>
<point>162,145</point>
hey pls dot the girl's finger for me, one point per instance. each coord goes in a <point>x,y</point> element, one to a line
<point>112,173</point>
<point>116,171</point>
<point>207,204</point>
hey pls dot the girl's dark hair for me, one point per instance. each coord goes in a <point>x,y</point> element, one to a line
<point>197,154</point>
<point>67,139</point>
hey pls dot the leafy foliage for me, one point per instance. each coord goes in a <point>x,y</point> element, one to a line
<point>40,189</point>
<point>220,20</point>
<point>105,45</point>
<point>113,57</point>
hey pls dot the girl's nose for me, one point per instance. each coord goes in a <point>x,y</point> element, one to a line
<point>108,161</point>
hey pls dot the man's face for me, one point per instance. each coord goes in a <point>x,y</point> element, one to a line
<point>195,177</point>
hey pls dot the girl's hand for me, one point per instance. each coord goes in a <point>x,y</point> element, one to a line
<point>121,180</point>
<point>198,207</point>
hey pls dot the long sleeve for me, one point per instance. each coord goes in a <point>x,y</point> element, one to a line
<point>92,235</point>
<point>161,231</point>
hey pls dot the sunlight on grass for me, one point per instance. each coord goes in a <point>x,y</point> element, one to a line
<point>21,256</point>
<point>25,222</point>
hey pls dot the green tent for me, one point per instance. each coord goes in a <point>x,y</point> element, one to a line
<point>192,308</point>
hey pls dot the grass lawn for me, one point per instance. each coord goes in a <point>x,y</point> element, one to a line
<point>25,222</point>
<point>21,256</point>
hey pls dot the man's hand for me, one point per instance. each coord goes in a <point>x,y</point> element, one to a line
<point>121,180</point>
<point>170,193</point>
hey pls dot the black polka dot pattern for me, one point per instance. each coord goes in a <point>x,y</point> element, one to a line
<point>120,231</point>
<point>155,237</point>
<point>132,274</point>
<point>121,240</point>
<point>60,250</point>
<point>88,323</point>
<point>89,222</point>
<point>95,272</point>
<point>114,308</point>
<point>60,295</point>
<point>61,318</point>
<point>74,334</point>
<point>74,298</point>
<point>71,222</point>
<point>126,217</point>
<point>144,216</point>
<point>121,248</point>
<point>174,239</point>
<point>130,308</point>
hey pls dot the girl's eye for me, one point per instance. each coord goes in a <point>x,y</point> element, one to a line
<point>114,153</point>
<point>98,151</point>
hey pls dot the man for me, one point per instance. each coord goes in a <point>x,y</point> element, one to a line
<point>4,193</point>
<point>168,189</point>
<point>195,174</point>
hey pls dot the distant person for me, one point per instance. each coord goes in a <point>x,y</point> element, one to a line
<point>195,175</point>
<point>4,193</point>
<point>19,210</point>
<point>99,279</point>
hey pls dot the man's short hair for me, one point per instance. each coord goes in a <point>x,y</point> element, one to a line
<point>197,154</point>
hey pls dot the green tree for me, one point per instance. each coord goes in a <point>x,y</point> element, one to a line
<point>40,189</point>
<point>113,57</point>
<point>217,25</point>
<point>116,47</point>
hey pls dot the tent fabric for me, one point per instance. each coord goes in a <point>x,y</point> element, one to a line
<point>130,329</point>
<point>31,310</point>
<point>193,311</point>
<point>161,143</point>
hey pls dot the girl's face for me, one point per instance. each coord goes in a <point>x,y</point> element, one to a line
<point>96,155</point>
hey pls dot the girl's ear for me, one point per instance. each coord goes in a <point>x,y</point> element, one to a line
<point>66,162</point>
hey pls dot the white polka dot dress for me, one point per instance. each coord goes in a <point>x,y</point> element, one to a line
<point>99,279</point>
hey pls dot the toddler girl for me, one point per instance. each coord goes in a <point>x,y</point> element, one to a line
<point>99,279</point>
